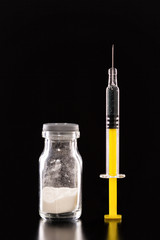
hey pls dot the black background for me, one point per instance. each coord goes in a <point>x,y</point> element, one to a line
<point>54,61</point>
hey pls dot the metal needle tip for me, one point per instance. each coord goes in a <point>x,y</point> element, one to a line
<point>112,56</point>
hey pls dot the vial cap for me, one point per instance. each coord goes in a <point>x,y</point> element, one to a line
<point>61,127</point>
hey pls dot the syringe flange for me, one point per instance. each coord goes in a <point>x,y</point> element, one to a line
<point>110,176</point>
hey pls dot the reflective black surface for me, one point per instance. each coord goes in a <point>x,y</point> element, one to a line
<point>83,229</point>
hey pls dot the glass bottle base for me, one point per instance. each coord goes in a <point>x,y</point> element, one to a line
<point>61,216</point>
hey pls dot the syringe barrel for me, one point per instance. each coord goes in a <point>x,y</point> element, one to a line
<point>112,125</point>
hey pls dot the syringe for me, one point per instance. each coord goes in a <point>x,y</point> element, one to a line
<point>112,140</point>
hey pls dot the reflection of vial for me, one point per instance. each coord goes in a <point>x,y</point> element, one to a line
<point>58,231</point>
<point>60,172</point>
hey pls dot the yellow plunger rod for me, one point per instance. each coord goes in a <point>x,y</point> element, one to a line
<point>112,196</point>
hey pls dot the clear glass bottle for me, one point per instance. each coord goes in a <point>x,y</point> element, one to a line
<point>60,170</point>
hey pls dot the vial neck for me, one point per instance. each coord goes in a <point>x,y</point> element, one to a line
<point>60,145</point>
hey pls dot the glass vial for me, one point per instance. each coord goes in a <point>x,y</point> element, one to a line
<point>60,170</point>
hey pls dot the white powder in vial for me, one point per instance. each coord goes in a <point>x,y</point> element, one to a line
<point>59,200</point>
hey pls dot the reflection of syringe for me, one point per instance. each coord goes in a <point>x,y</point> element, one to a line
<point>113,229</point>
<point>112,140</point>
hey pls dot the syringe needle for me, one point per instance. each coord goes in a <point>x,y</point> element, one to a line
<point>112,56</point>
